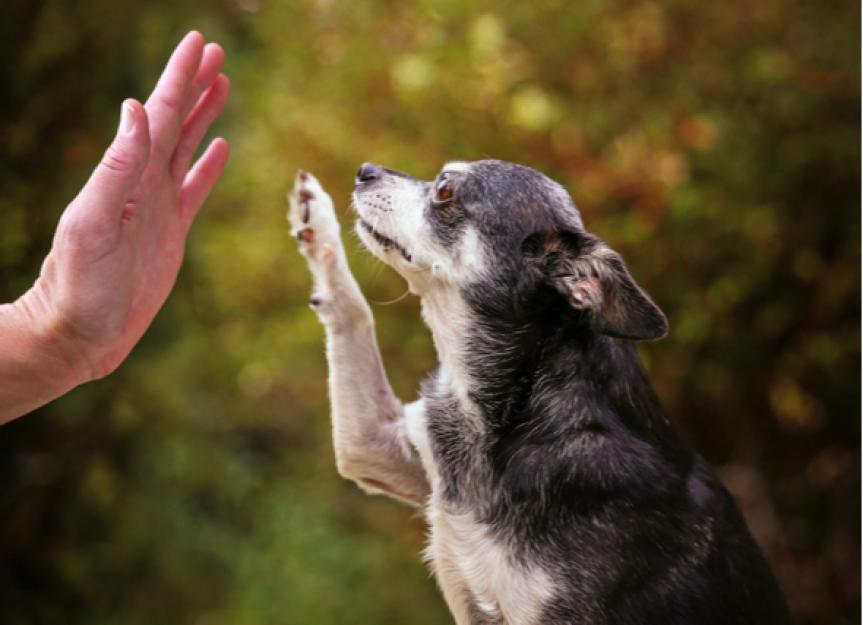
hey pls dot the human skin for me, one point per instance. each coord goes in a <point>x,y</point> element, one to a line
<point>119,244</point>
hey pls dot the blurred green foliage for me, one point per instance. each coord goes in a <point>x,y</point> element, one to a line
<point>715,144</point>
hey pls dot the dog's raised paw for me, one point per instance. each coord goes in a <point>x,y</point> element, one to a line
<point>313,218</point>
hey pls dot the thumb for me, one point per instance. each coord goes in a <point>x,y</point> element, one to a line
<point>121,167</point>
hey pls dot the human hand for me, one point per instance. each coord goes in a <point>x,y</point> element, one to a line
<point>119,244</point>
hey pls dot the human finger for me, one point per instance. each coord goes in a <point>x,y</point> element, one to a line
<point>197,123</point>
<point>115,177</point>
<point>212,60</point>
<point>201,178</point>
<point>173,91</point>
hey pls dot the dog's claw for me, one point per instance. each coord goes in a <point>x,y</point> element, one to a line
<point>305,196</point>
<point>306,235</point>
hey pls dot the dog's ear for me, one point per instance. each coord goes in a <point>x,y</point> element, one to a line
<point>593,278</point>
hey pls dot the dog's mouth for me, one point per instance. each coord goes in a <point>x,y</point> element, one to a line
<point>384,241</point>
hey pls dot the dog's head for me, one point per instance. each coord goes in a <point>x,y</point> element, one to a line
<point>504,230</point>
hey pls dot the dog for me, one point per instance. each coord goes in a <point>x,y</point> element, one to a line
<point>555,488</point>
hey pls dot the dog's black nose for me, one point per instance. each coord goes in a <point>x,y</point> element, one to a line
<point>369,172</point>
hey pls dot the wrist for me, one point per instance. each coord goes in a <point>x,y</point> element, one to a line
<point>44,342</point>
<point>31,372</point>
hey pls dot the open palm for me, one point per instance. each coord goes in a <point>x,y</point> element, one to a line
<point>119,244</point>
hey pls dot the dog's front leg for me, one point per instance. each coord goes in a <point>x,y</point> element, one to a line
<point>369,435</point>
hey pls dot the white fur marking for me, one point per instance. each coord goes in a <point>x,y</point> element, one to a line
<point>456,167</point>
<point>417,433</point>
<point>471,563</point>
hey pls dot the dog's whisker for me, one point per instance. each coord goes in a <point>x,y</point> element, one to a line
<point>392,301</point>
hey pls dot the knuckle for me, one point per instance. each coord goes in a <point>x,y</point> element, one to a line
<point>171,103</point>
<point>115,159</point>
<point>69,228</point>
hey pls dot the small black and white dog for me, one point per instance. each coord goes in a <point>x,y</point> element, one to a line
<point>555,488</point>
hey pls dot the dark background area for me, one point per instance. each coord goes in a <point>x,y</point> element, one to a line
<point>716,145</point>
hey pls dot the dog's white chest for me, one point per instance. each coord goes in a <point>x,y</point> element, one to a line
<point>470,562</point>
<point>472,566</point>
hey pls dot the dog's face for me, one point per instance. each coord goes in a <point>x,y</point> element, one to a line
<point>452,228</point>
<point>504,225</point>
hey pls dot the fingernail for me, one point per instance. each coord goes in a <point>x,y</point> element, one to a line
<point>127,118</point>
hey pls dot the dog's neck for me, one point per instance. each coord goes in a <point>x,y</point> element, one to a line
<point>493,364</point>
<point>449,319</point>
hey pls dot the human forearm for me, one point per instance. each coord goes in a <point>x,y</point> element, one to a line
<point>36,364</point>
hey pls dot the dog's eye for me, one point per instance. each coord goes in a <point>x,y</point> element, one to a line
<point>443,191</point>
